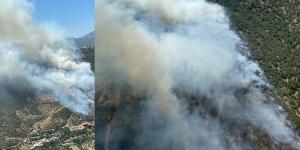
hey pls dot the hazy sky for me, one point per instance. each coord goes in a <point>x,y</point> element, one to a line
<point>76,17</point>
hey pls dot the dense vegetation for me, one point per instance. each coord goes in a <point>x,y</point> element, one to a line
<point>272,32</point>
<point>88,54</point>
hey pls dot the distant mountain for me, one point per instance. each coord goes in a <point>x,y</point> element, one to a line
<point>85,40</point>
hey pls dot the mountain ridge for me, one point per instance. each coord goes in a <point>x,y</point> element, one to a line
<point>85,40</point>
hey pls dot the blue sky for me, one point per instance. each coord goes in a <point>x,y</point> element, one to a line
<point>75,17</point>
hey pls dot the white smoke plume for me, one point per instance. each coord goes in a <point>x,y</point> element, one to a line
<point>158,47</point>
<point>39,58</point>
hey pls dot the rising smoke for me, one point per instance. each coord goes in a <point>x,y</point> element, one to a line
<point>37,59</point>
<point>172,49</point>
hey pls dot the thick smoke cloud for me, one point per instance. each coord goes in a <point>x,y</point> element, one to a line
<point>37,59</point>
<point>160,47</point>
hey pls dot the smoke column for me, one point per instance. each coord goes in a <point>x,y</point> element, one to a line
<point>37,59</point>
<point>164,48</point>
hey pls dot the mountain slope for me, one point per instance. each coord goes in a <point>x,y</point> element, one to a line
<point>85,40</point>
<point>44,121</point>
<point>272,31</point>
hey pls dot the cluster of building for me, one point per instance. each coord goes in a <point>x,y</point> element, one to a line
<point>40,138</point>
<point>84,125</point>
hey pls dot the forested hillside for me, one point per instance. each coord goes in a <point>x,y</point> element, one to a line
<point>272,32</point>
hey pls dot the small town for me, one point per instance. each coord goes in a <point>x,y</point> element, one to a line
<point>68,135</point>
